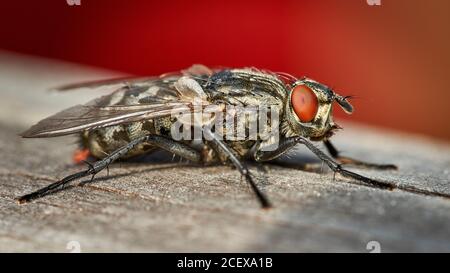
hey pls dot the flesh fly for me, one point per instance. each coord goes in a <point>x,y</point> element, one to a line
<point>145,114</point>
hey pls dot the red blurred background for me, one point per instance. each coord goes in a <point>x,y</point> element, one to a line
<point>395,57</point>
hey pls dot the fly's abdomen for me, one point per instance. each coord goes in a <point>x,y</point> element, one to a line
<point>104,141</point>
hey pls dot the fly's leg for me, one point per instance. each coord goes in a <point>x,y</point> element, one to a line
<point>284,146</point>
<point>289,143</point>
<point>175,147</point>
<point>338,169</point>
<point>350,161</point>
<point>92,170</point>
<point>167,144</point>
<point>221,147</point>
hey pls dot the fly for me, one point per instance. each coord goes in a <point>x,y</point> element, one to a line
<point>148,114</point>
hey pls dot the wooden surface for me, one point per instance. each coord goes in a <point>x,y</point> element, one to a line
<point>155,204</point>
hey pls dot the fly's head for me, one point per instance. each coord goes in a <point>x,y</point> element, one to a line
<point>309,109</point>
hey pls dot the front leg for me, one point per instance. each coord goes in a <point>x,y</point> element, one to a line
<point>289,143</point>
<point>350,161</point>
<point>284,146</point>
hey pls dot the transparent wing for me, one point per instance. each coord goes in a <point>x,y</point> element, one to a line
<point>107,82</point>
<point>196,70</point>
<point>130,103</point>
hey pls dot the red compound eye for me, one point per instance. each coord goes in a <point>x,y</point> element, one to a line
<point>304,102</point>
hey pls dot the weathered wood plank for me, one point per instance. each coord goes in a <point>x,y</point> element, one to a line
<point>159,205</point>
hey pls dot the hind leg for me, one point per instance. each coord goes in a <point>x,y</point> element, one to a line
<point>170,145</point>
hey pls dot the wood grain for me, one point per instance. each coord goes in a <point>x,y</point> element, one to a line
<point>155,204</point>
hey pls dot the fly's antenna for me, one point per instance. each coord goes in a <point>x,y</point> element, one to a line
<point>345,105</point>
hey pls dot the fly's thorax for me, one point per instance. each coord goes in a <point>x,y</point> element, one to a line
<point>245,87</point>
<point>252,100</point>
